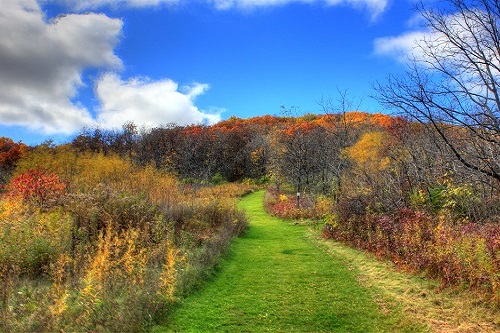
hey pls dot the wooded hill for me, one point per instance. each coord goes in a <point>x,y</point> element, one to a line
<point>391,158</point>
<point>127,220</point>
<point>387,184</point>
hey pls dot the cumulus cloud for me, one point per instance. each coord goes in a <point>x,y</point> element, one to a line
<point>41,64</point>
<point>375,7</point>
<point>149,102</point>
<point>41,68</point>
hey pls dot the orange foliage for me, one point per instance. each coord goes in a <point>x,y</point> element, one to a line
<point>232,123</point>
<point>261,121</point>
<point>382,120</point>
<point>10,152</point>
<point>357,117</point>
<point>292,125</point>
<point>299,127</point>
<point>326,120</point>
<point>193,130</point>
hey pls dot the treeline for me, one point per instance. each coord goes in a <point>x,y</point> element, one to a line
<point>232,149</point>
<point>394,159</point>
<point>238,149</point>
<point>378,162</point>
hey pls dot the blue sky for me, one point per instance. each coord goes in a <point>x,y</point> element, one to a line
<point>69,64</point>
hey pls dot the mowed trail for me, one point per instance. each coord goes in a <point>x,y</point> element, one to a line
<point>276,280</point>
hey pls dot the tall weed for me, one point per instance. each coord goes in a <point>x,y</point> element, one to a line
<point>116,246</point>
<point>459,254</point>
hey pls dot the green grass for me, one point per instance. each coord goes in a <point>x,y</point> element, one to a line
<point>416,296</point>
<point>276,280</point>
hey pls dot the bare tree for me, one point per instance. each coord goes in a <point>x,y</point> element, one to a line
<point>337,110</point>
<point>453,84</point>
<point>341,134</point>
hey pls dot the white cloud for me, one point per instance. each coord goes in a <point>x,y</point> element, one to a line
<point>461,55</point>
<point>229,4</point>
<point>149,103</point>
<point>93,4</point>
<point>375,7</point>
<point>425,44</point>
<point>41,64</point>
<point>402,47</point>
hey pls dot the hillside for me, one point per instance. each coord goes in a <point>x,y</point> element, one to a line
<point>130,221</point>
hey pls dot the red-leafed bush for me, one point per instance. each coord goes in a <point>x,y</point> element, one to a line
<point>285,206</point>
<point>458,254</point>
<point>36,186</point>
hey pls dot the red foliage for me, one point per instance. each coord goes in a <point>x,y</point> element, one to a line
<point>10,152</point>
<point>287,210</point>
<point>36,186</point>
<point>399,128</point>
<point>414,240</point>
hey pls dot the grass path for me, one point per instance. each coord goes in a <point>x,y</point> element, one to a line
<point>276,280</point>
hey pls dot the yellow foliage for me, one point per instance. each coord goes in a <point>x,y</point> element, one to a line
<point>61,161</point>
<point>119,260</point>
<point>59,292</point>
<point>105,264</point>
<point>368,152</point>
<point>54,226</point>
<point>160,187</point>
<point>11,210</point>
<point>97,168</point>
<point>256,155</point>
<point>27,237</point>
<point>169,273</point>
<point>82,170</point>
<point>323,206</point>
<point>118,255</point>
<point>283,198</point>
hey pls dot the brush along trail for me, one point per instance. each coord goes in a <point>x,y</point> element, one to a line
<point>275,279</point>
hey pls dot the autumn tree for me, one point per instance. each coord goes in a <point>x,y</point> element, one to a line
<point>342,123</point>
<point>452,86</point>
<point>300,155</point>
<point>157,146</point>
<point>190,157</point>
<point>90,139</point>
<point>259,152</point>
<point>10,153</point>
<point>123,141</point>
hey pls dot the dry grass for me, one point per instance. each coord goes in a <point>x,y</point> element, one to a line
<point>111,252</point>
<point>449,310</point>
